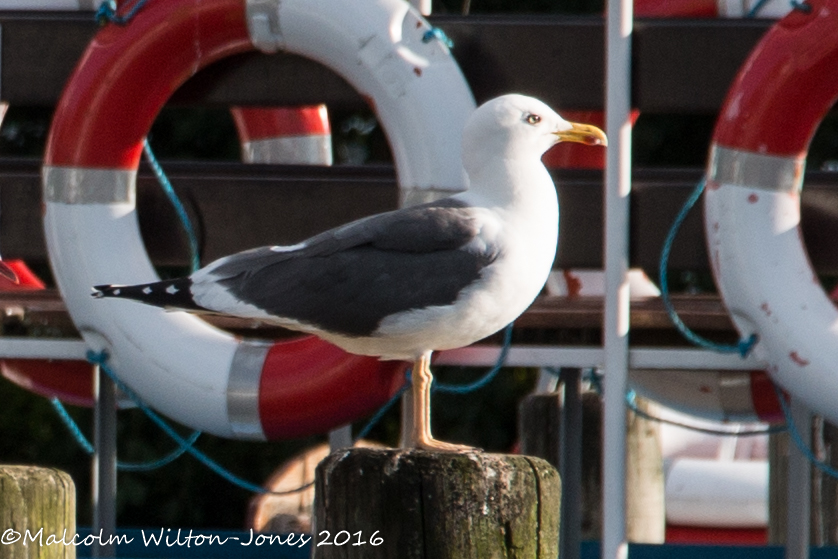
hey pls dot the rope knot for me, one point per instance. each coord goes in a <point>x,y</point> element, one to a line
<point>97,357</point>
<point>747,345</point>
<point>106,12</point>
<point>439,35</point>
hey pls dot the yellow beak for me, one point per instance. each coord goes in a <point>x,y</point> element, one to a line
<point>583,134</point>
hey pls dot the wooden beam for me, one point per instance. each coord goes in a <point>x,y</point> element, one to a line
<point>679,65</point>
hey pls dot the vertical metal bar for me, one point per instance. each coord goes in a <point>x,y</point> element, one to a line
<point>616,320</point>
<point>570,450</point>
<point>340,438</point>
<point>799,487</point>
<point>407,417</point>
<point>1,63</point>
<point>104,464</point>
<point>547,382</point>
<point>424,6</point>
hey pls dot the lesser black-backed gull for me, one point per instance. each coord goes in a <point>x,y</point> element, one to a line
<point>402,284</point>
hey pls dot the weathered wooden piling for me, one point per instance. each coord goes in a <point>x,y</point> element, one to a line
<point>412,504</point>
<point>37,513</point>
<point>539,432</point>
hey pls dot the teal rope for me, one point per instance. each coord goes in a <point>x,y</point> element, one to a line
<point>107,13</point>
<point>375,419</point>
<point>101,359</point>
<point>743,347</point>
<point>798,440</point>
<point>439,35</point>
<point>185,222</point>
<point>631,403</point>
<point>88,448</point>
<point>447,388</point>
<point>756,9</point>
<point>485,379</point>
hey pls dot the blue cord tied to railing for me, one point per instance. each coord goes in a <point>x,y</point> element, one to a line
<point>107,12</point>
<point>744,346</point>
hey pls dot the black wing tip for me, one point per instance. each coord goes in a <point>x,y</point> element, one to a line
<point>102,291</point>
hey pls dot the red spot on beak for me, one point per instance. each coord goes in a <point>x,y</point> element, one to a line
<point>417,71</point>
<point>705,389</point>
<point>752,198</point>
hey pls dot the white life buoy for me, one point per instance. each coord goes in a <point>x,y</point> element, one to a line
<point>198,375</point>
<point>752,203</point>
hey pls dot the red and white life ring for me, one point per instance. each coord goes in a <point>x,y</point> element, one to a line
<point>188,370</point>
<point>752,203</point>
<point>298,135</point>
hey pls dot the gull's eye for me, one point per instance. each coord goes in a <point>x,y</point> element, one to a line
<point>532,119</point>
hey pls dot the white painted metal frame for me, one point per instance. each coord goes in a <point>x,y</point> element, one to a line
<point>618,34</point>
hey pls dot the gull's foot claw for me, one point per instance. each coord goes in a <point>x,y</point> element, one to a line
<point>434,445</point>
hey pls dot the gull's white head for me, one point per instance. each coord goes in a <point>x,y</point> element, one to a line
<point>519,127</point>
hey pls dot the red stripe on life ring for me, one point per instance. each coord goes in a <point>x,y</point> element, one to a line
<point>122,84</point>
<point>680,8</point>
<point>764,397</point>
<point>342,388</point>
<point>781,94</point>
<point>259,123</point>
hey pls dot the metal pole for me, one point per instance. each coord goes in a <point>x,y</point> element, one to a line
<point>616,320</point>
<point>799,487</point>
<point>104,464</point>
<point>424,6</point>
<point>570,465</point>
<point>340,438</point>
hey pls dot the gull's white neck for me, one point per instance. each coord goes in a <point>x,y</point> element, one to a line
<point>518,185</point>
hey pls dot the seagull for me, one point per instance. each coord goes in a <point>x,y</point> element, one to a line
<point>403,284</point>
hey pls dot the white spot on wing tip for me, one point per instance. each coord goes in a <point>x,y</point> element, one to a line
<point>146,290</point>
<point>172,290</point>
<point>117,291</point>
<point>289,248</point>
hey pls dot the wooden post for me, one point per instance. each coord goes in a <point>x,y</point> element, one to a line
<point>422,505</point>
<point>37,503</point>
<point>778,449</point>
<point>645,494</point>
<point>645,515</point>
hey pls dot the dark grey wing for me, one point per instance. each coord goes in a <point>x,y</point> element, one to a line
<point>348,279</point>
